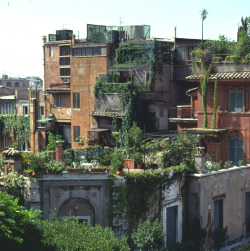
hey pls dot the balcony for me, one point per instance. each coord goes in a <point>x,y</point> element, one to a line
<point>182,113</point>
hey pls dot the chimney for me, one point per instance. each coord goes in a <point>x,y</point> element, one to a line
<point>73,39</point>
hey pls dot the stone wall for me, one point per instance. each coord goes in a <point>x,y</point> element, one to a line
<point>75,194</point>
<point>230,186</point>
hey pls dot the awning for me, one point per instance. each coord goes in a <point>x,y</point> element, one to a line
<point>45,120</point>
<point>99,130</point>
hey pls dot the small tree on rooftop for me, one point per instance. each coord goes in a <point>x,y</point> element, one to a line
<point>203,17</point>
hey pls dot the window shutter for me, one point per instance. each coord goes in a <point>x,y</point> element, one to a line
<point>239,102</point>
<point>232,101</point>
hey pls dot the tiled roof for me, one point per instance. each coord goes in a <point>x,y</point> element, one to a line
<point>107,114</point>
<point>219,76</point>
<point>61,90</point>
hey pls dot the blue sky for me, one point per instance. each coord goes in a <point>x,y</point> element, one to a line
<point>24,22</point>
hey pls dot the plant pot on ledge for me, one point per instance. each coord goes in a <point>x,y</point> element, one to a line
<point>97,170</point>
<point>128,163</point>
<point>75,170</point>
<point>120,173</point>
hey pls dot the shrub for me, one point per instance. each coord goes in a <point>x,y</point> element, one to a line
<point>18,227</point>
<point>149,235</point>
<point>15,185</point>
<point>1,162</point>
<point>245,247</point>
<point>71,235</point>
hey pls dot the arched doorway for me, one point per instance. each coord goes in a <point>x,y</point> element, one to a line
<point>78,207</point>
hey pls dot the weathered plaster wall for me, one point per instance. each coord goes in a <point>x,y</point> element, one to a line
<point>230,185</point>
<point>62,193</point>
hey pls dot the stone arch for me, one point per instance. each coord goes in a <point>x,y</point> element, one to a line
<point>79,207</point>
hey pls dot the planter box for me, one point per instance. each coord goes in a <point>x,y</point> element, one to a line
<point>97,170</point>
<point>75,170</point>
<point>128,163</point>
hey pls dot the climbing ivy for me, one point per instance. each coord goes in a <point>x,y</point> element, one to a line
<point>17,126</point>
<point>205,71</point>
<point>129,55</point>
<point>215,104</point>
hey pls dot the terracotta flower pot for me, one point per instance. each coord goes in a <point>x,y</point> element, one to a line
<point>139,165</point>
<point>120,173</point>
<point>128,163</point>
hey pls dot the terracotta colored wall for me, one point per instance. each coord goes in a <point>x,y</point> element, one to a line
<point>84,71</point>
<point>52,70</point>
<point>237,124</point>
<point>59,113</point>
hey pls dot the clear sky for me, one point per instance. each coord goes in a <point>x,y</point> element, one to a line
<point>24,22</point>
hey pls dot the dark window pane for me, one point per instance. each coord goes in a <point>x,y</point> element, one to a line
<point>218,214</point>
<point>76,100</point>
<point>76,132</point>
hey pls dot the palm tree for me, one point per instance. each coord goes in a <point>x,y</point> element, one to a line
<point>203,17</point>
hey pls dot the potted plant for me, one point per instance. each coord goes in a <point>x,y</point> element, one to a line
<point>116,167</point>
<point>137,157</point>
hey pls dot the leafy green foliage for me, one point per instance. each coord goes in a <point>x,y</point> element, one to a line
<point>245,26</point>
<point>141,192</point>
<point>70,235</point>
<point>221,47</point>
<point>134,136</point>
<point>215,104</point>
<point>220,236</point>
<point>53,141</point>
<point>18,227</point>
<point>1,162</point>
<point>42,163</point>
<point>243,45</point>
<point>245,247</point>
<point>149,235</point>
<point>15,185</point>
<point>18,126</point>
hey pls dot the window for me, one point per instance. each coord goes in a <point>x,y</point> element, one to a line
<point>6,108</point>
<point>41,111</point>
<point>64,50</point>
<point>25,146</point>
<point>8,84</point>
<point>58,101</point>
<point>235,149</point>
<point>65,61</point>
<point>64,71</point>
<point>218,214</point>
<point>76,101</point>
<point>16,84</point>
<point>25,110</point>
<point>236,101</point>
<point>89,51</point>
<point>76,132</point>
<point>51,51</point>
<point>5,142</point>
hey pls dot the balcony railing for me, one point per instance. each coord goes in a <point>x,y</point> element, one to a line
<point>182,111</point>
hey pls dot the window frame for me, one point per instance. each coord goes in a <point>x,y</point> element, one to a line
<point>58,101</point>
<point>41,111</point>
<point>76,100</point>
<point>219,204</point>
<point>5,142</point>
<point>51,51</point>
<point>76,132</point>
<point>25,110</point>
<point>232,109</point>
